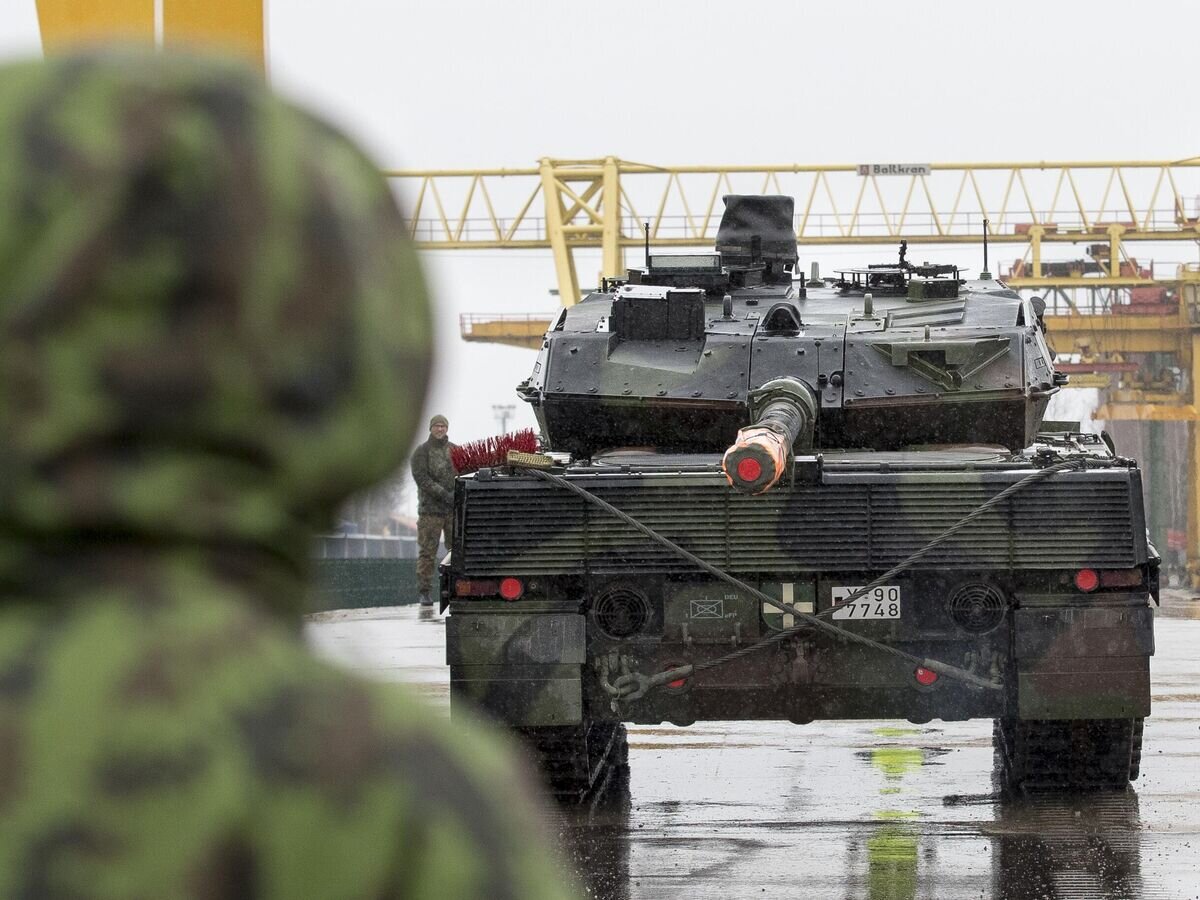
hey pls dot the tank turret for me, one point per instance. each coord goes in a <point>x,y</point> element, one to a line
<point>736,352</point>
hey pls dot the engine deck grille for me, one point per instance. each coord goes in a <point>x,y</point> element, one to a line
<point>522,525</point>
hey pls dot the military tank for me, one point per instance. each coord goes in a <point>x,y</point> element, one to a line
<point>767,494</point>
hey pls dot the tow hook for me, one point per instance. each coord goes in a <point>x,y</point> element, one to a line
<point>608,664</point>
<point>631,685</point>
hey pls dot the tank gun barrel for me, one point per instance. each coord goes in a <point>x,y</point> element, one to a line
<point>785,415</point>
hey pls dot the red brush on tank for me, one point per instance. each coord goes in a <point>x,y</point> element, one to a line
<point>493,451</point>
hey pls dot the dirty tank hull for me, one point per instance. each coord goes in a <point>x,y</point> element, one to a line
<point>804,436</point>
<point>999,599</point>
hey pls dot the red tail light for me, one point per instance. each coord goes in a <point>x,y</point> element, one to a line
<point>476,587</point>
<point>678,682</point>
<point>1122,578</point>
<point>508,588</point>
<point>925,677</point>
<point>512,588</point>
<point>1087,580</point>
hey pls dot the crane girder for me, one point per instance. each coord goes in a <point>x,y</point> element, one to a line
<point>604,204</point>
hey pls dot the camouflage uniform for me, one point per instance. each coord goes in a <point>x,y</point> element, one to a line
<point>434,474</point>
<point>213,330</point>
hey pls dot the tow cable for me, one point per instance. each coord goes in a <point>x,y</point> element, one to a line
<point>630,686</point>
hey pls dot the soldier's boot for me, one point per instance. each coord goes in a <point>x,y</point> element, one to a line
<point>425,599</point>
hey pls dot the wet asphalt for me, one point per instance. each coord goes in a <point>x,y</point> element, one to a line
<point>876,810</point>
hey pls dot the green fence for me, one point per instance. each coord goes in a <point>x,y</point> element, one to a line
<point>356,583</point>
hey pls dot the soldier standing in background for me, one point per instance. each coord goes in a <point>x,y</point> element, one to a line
<point>434,474</point>
<point>212,330</point>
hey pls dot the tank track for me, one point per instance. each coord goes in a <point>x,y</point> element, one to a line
<point>1135,760</point>
<point>1072,754</point>
<point>573,760</point>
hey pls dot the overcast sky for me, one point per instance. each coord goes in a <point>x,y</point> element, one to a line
<point>485,84</point>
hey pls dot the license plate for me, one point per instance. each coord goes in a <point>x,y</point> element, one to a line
<point>877,603</point>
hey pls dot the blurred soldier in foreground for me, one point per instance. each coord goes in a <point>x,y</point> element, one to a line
<point>434,474</point>
<point>212,331</point>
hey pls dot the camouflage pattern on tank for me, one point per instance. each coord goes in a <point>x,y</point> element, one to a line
<point>798,543</point>
<point>807,436</point>
<point>212,329</point>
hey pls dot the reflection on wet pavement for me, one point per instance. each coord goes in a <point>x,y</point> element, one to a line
<point>880,811</point>
<point>906,843</point>
<point>892,848</point>
<point>1062,846</point>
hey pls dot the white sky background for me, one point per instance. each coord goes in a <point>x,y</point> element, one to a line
<point>484,84</point>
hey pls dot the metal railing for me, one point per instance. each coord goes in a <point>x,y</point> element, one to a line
<point>530,232</point>
<point>364,546</point>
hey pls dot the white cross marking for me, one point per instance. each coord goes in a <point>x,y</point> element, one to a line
<point>787,595</point>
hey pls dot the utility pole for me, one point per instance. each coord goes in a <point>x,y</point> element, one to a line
<point>503,412</point>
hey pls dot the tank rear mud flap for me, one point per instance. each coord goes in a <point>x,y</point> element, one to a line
<point>524,669</point>
<point>1084,663</point>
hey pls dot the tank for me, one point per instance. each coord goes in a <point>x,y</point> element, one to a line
<point>768,494</point>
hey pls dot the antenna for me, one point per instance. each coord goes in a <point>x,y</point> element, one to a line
<point>647,226</point>
<point>985,274</point>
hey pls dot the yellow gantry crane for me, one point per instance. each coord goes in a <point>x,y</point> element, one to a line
<point>603,204</point>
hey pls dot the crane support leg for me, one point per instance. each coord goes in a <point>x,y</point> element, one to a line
<point>229,25</point>
<point>564,260</point>
<point>1193,468</point>
<point>67,23</point>
<point>1035,247</point>
<point>614,253</point>
<point>1114,250</point>
<point>1193,507</point>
